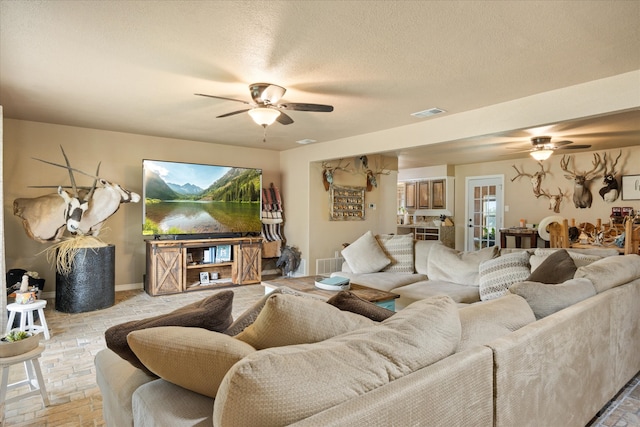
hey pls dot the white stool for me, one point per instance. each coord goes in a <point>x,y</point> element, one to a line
<point>35,383</point>
<point>28,309</point>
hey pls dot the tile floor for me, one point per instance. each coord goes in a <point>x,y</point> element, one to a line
<point>67,363</point>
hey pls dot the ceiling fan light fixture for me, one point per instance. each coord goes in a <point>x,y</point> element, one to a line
<point>541,155</point>
<point>264,116</point>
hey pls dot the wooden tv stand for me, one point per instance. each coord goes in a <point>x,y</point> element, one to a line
<point>174,266</point>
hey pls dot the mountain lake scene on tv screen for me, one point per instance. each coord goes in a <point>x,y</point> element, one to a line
<point>185,198</point>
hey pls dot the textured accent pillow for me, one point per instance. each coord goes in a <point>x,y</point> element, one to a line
<point>250,314</point>
<point>449,265</point>
<point>579,258</point>
<point>289,319</point>
<point>212,313</point>
<point>545,299</point>
<point>610,272</point>
<point>365,255</point>
<point>496,275</point>
<point>556,268</point>
<point>306,379</point>
<point>348,301</point>
<point>485,321</point>
<point>399,249</point>
<point>193,358</point>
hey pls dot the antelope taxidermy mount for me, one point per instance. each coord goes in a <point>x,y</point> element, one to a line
<point>582,197</point>
<point>610,191</point>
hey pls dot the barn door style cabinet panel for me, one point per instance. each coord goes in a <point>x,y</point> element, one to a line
<point>175,266</point>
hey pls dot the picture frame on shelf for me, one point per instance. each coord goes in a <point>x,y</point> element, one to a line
<point>223,253</point>
<point>204,277</point>
<point>189,257</point>
<point>631,187</point>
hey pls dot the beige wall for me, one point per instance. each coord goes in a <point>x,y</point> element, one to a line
<point>303,192</point>
<point>523,204</point>
<point>121,155</point>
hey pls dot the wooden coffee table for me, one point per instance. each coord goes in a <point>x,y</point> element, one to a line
<point>306,285</point>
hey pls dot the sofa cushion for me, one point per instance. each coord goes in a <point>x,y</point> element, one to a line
<point>249,315</point>
<point>610,272</point>
<point>487,320</point>
<point>556,268</point>
<point>580,258</point>
<point>212,313</point>
<point>496,275</point>
<point>383,281</point>
<point>193,358</point>
<point>365,255</point>
<point>428,288</point>
<point>448,265</point>
<point>421,250</point>
<point>399,249</point>
<point>279,386</point>
<point>289,319</point>
<point>545,299</point>
<point>348,301</point>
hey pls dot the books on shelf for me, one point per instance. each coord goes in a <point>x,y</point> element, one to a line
<point>333,284</point>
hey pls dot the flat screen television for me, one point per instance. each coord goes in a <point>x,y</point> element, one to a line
<point>199,200</point>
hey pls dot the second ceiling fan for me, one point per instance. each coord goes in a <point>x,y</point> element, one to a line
<point>265,109</point>
<point>542,147</point>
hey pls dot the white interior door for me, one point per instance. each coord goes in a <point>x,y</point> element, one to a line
<point>484,207</point>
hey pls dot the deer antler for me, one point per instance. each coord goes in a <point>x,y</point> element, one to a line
<point>596,165</point>
<point>613,166</point>
<point>520,173</point>
<point>564,165</point>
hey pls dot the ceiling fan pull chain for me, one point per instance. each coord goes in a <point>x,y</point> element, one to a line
<point>264,135</point>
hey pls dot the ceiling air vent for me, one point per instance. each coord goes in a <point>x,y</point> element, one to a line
<point>428,113</point>
<point>306,141</point>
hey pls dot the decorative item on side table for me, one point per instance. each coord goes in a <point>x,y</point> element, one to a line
<point>18,342</point>
<point>332,283</point>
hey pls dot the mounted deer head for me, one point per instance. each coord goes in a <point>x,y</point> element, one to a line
<point>582,197</point>
<point>535,179</point>
<point>328,170</point>
<point>372,175</point>
<point>554,199</point>
<point>610,191</point>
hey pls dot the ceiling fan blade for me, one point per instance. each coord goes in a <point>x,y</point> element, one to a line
<point>233,113</point>
<point>283,119</point>
<point>562,143</point>
<point>222,97</point>
<point>297,106</point>
<point>574,147</point>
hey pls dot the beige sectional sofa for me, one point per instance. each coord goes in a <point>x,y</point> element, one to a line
<point>491,363</point>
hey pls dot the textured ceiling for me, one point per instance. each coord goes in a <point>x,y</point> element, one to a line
<point>133,66</point>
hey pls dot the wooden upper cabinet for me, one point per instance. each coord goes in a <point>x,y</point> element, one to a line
<point>424,195</point>
<point>410,195</point>
<point>438,194</point>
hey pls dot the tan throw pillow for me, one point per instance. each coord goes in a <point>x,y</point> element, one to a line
<point>546,299</point>
<point>496,275</point>
<point>485,321</point>
<point>212,313</point>
<point>250,314</point>
<point>365,255</point>
<point>399,249</point>
<point>449,265</point>
<point>610,272</point>
<point>348,301</point>
<point>556,268</point>
<point>193,358</point>
<point>289,319</point>
<point>282,385</point>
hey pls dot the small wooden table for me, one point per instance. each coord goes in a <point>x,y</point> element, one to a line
<point>519,233</point>
<point>306,285</point>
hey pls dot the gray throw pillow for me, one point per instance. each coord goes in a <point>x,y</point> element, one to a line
<point>348,301</point>
<point>556,268</point>
<point>546,299</point>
